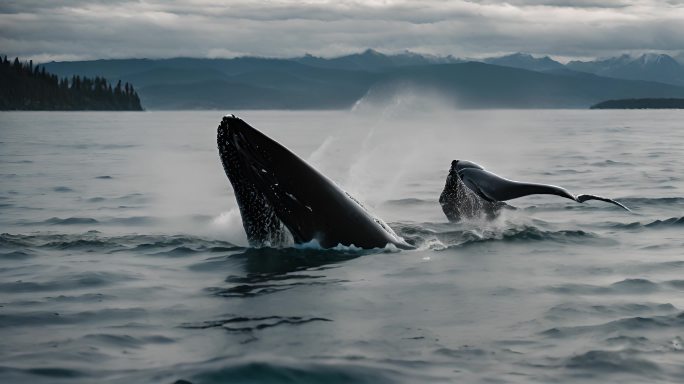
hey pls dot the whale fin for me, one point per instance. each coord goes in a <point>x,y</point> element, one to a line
<point>583,198</point>
<point>492,187</point>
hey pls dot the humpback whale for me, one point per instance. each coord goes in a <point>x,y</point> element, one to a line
<point>471,191</point>
<point>284,200</point>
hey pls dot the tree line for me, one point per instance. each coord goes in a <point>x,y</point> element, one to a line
<point>24,86</point>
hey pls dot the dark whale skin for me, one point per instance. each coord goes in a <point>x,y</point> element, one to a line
<point>461,203</point>
<point>471,191</point>
<point>279,195</point>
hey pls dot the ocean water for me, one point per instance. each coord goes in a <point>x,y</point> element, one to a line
<point>123,259</point>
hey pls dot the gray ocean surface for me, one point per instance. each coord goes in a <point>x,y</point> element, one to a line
<point>123,258</point>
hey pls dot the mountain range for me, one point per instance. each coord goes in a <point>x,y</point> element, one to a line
<point>651,67</point>
<point>309,82</point>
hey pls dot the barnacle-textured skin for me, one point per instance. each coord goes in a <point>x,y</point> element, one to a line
<point>460,203</point>
<point>262,226</point>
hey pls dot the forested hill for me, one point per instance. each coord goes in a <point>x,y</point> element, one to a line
<point>24,86</point>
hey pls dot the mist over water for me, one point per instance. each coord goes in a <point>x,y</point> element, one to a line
<point>123,258</point>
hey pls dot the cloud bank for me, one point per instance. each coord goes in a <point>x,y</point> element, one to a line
<point>75,29</point>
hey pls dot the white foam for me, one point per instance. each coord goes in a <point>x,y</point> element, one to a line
<point>229,224</point>
<point>316,245</point>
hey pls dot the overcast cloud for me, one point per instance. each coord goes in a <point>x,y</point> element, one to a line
<point>74,29</point>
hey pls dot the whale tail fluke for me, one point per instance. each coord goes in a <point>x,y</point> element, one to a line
<point>494,188</point>
<point>583,198</point>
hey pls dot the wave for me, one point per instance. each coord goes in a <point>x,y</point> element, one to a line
<point>176,252</point>
<point>626,286</point>
<point>126,341</point>
<point>69,221</point>
<point>671,321</point>
<point>86,245</point>
<point>564,171</point>
<point>128,221</point>
<point>279,285</point>
<point>436,236</point>
<point>16,255</point>
<point>62,189</point>
<point>135,198</point>
<point>463,234</point>
<point>134,220</point>
<point>614,362</point>
<point>84,298</point>
<point>16,375</point>
<point>95,146</point>
<point>665,223</point>
<point>628,341</point>
<point>527,235</point>
<point>275,370</point>
<point>94,241</point>
<point>634,203</point>
<point>673,221</point>
<point>44,318</point>
<point>610,163</point>
<point>283,372</point>
<point>247,324</point>
<point>85,280</point>
<point>652,201</point>
<point>566,311</point>
<point>410,201</point>
<point>272,270</point>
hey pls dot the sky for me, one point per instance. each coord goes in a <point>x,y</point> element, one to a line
<point>45,30</point>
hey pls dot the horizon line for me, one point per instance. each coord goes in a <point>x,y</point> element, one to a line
<point>561,59</point>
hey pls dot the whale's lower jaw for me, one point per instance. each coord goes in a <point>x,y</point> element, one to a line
<point>262,225</point>
<point>259,219</point>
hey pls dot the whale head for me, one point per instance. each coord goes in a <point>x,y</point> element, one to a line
<point>251,157</point>
<point>280,196</point>
<point>247,156</point>
<point>458,165</point>
<point>456,170</point>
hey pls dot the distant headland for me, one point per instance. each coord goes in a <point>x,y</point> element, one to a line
<point>654,103</point>
<point>24,86</point>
